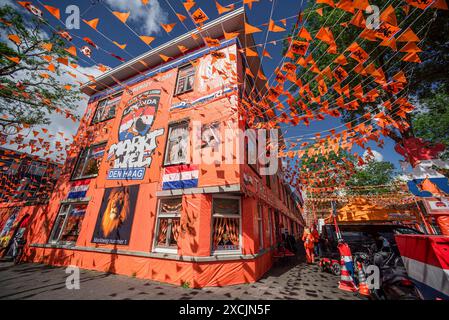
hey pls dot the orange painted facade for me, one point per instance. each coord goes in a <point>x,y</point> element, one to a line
<point>210,249</point>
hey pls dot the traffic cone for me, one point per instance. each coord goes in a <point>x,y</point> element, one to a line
<point>363,286</point>
<point>347,269</point>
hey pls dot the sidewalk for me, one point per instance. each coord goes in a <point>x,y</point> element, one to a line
<point>287,280</point>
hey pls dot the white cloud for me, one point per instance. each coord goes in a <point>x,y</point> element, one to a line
<point>148,17</point>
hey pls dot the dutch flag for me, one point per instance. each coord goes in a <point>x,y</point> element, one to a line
<point>78,189</point>
<point>180,177</point>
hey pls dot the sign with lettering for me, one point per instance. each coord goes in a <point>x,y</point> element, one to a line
<point>136,143</point>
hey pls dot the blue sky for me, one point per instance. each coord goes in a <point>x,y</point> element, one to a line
<point>145,21</point>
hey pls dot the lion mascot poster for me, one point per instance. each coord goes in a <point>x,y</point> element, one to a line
<point>115,219</point>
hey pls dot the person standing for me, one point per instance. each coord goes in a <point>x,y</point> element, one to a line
<point>309,243</point>
<point>316,237</point>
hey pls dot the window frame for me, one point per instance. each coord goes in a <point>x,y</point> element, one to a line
<point>111,96</point>
<point>89,148</point>
<point>186,77</point>
<point>260,225</point>
<point>66,214</point>
<point>213,215</point>
<point>185,122</point>
<point>167,248</point>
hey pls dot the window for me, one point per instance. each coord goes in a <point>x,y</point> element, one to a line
<point>106,108</point>
<point>186,78</point>
<point>260,224</point>
<point>226,224</point>
<point>68,223</point>
<point>177,144</point>
<point>168,224</point>
<point>89,161</point>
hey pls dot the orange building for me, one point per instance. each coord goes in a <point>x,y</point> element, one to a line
<point>132,199</point>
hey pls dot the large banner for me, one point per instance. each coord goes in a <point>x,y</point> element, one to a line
<point>133,152</point>
<point>115,219</point>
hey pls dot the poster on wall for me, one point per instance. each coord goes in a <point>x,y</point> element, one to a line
<point>437,205</point>
<point>115,219</point>
<point>132,154</point>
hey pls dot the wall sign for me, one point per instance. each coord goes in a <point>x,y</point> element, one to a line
<point>115,219</point>
<point>132,153</point>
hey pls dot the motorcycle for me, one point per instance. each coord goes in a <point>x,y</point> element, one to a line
<point>394,283</point>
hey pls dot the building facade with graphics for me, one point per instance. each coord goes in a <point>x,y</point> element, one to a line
<point>26,183</point>
<point>153,187</point>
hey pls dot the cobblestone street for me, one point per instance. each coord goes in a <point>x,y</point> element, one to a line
<point>287,280</point>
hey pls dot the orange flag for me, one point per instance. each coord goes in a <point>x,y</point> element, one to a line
<point>249,3</point>
<point>221,9</point>
<point>15,38</point>
<point>13,59</point>
<point>168,27</point>
<point>121,46</point>
<point>303,33</point>
<point>147,39</point>
<point>71,50</point>
<point>274,28</point>
<point>47,46</point>
<point>328,2</point>
<point>181,17</point>
<point>188,4</point>
<point>251,29</point>
<point>261,76</point>
<point>250,53</point>
<point>408,36</point>
<point>412,57</point>
<point>92,23</point>
<point>388,15</point>
<point>346,5</point>
<point>54,11</point>
<point>230,35</point>
<point>122,16</point>
<point>164,57</point>
<point>199,17</point>
<point>266,54</point>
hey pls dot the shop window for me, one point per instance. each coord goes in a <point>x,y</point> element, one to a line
<point>226,224</point>
<point>177,144</point>
<point>89,162</point>
<point>260,225</point>
<point>106,108</point>
<point>186,78</point>
<point>168,224</point>
<point>68,223</point>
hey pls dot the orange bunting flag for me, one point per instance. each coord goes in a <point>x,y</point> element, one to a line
<point>319,11</point>
<point>71,50</point>
<point>421,4</point>
<point>181,17</point>
<point>121,46</point>
<point>303,33</point>
<point>388,15</point>
<point>183,48</point>
<point>211,42</point>
<point>221,9</point>
<point>13,59</point>
<point>164,57</point>
<point>147,39</point>
<point>361,4</point>
<point>440,4</point>
<point>199,17</point>
<point>266,54</point>
<point>346,5</point>
<point>230,35</point>
<point>250,53</point>
<point>92,23</point>
<point>122,16</point>
<point>408,36</point>
<point>412,57</point>
<point>249,3</point>
<point>189,4</point>
<point>47,46</point>
<point>51,67</point>
<point>328,2</point>
<point>168,27</point>
<point>248,72</point>
<point>64,61</point>
<point>54,11</point>
<point>261,76</point>
<point>249,29</point>
<point>15,38</point>
<point>274,28</point>
<point>145,2</point>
